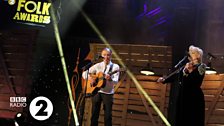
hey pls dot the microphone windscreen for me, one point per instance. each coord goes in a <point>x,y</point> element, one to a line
<point>101,57</point>
<point>187,54</point>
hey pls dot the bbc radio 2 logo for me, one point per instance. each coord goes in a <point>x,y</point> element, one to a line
<point>17,102</point>
<point>41,108</point>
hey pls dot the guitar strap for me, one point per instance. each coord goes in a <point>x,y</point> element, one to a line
<point>111,67</point>
<point>110,70</point>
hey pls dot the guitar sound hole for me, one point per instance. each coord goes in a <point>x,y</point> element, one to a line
<point>96,82</point>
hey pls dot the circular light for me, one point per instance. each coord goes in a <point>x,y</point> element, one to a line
<point>18,115</point>
<point>210,70</point>
<point>146,72</point>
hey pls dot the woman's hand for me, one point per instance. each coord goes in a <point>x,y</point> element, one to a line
<point>188,68</point>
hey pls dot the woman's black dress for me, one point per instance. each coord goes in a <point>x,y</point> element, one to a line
<point>190,104</point>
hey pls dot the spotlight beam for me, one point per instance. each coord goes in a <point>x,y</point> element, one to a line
<point>60,49</point>
<point>130,74</point>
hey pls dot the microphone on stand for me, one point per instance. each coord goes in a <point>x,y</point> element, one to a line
<point>94,60</point>
<point>100,57</point>
<point>211,56</point>
<point>181,62</point>
<point>97,57</point>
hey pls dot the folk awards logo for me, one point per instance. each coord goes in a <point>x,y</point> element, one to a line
<point>31,11</point>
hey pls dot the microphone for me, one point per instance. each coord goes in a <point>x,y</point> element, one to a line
<point>180,63</point>
<point>100,57</point>
<point>187,54</point>
<point>97,57</point>
<point>211,56</point>
<point>93,61</point>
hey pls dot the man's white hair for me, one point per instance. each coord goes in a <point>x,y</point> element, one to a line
<point>108,50</point>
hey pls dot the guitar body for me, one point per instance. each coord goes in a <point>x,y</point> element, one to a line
<point>91,88</point>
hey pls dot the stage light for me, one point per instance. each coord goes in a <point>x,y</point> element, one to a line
<point>16,124</point>
<point>147,71</point>
<point>19,119</point>
<point>18,115</point>
<point>210,70</point>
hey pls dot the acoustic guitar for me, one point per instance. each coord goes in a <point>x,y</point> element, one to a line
<point>100,82</point>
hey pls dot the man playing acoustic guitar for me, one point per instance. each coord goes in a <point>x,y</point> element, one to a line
<point>105,74</point>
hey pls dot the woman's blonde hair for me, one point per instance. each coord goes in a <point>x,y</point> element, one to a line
<point>198,51</point>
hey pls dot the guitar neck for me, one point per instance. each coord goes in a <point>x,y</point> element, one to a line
<point>111,73</point>
<point>120,70</point>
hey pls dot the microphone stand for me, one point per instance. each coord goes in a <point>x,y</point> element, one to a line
<point>83,101</point>
<point>180,63</point>
<point>177,67</point>
<point>175,89</point>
